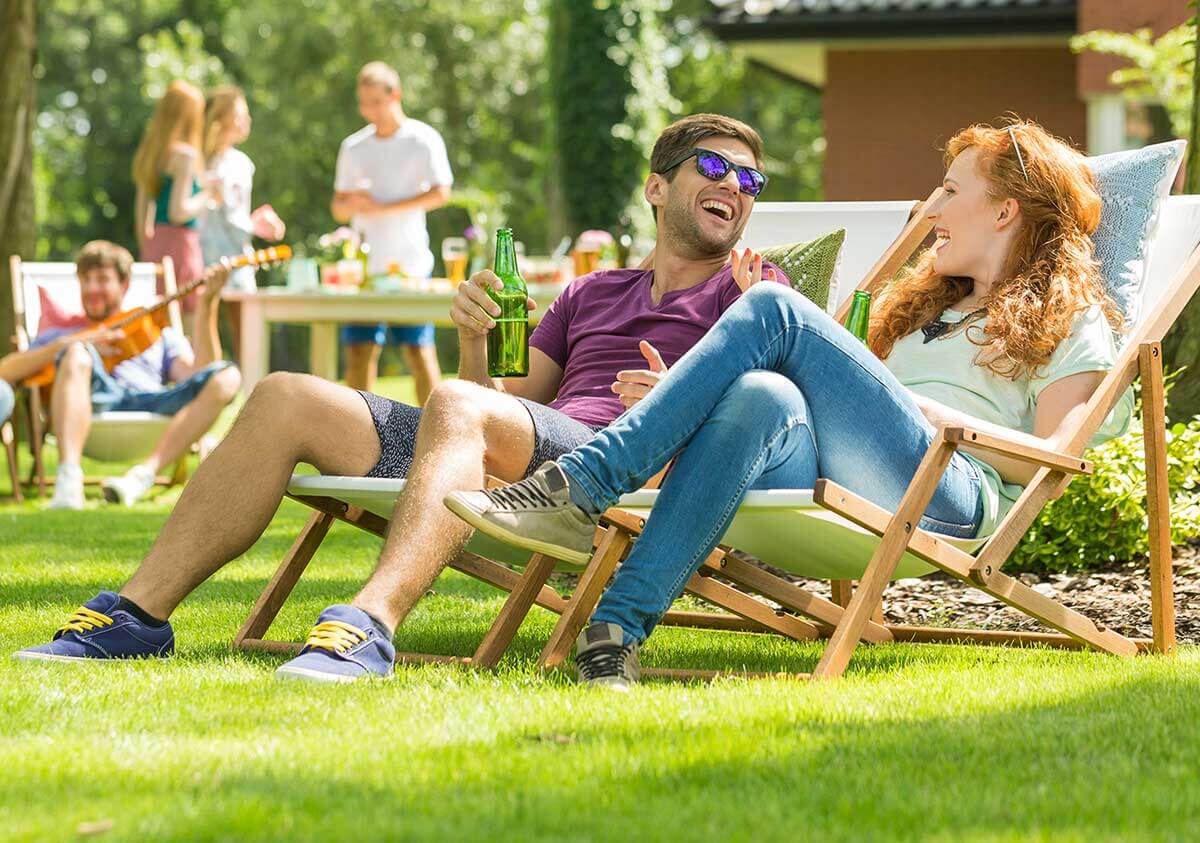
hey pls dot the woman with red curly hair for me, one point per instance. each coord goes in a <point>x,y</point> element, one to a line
<point>1003,324</point>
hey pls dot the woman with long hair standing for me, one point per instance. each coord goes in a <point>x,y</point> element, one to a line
<point>168,173</point>
<point>228,225</point>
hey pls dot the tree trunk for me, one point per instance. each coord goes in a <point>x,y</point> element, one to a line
<point>17,112</point>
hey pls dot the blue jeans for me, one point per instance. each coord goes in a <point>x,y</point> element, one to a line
<point>110,394</point>
<point>7,401</point>
<point>775,395</point>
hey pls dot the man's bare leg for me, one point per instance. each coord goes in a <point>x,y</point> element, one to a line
<point>362,365</point>
<point>466,430</point>
<point>194,420</point>
<point>71,403</point>
<point>226,506</point>
<point>423,363</point>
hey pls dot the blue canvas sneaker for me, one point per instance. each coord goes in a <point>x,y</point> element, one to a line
<point>99,630</point>
<point>345,645</point>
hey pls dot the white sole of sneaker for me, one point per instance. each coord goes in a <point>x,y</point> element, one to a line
<point>300,674</point>
<point>469,515</point>
<point>53,657</point>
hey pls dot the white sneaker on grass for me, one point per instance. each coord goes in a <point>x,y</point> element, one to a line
<point>68,488</point>
<point>130,487</point>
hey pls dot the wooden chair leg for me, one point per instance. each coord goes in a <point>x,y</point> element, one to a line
<point>842,592</point>
<point>1158,498</point>
<point>587,594</point>
<point>10,448</point>
<point>516,607</point>
<point>285,579</point>
<point>892,546</point>
<point>37,439</point>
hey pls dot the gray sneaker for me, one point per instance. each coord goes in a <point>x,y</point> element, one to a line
<point>536,514</point>
<point>603,658</point>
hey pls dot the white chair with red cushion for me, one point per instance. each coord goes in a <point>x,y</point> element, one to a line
<point>45,298</point>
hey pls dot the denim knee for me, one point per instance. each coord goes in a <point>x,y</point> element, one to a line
<point>763,402</point>
<point>768,298</point>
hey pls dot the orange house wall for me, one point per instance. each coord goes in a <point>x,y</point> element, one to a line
<point>888,113</point>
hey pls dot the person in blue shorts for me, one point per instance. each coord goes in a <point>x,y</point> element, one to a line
<point>389,173</point>
<point>169,377</point>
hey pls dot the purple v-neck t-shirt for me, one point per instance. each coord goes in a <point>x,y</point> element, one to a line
<point>593,328</point>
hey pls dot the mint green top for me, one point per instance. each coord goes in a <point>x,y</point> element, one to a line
<point>945,371</point>
<point>163,201</point>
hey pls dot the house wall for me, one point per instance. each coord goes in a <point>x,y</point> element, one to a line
<point>1157,15</point>
<point>888,113</point>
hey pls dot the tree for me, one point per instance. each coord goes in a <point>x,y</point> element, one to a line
<point>17,113</point>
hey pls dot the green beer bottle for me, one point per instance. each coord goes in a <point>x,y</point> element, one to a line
<point>860,315</point>
<point>508,342</point>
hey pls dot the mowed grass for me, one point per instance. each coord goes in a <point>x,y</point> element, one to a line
<point>916,743</point>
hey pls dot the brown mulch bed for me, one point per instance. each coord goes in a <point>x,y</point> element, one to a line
<point>1116,595</point>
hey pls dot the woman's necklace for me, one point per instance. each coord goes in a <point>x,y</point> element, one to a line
<point>939,327</point>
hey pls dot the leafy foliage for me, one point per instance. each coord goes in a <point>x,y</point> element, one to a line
<point>479,72</point>
<point>1102,517</point>
<point>1161,68</point>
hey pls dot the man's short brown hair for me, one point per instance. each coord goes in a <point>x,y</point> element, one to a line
<point>681,137</point>
<point>381,74</point>
<point>101,254</point>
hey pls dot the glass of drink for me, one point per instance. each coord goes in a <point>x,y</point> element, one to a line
<point>454,256</point>
<point>586,254</point>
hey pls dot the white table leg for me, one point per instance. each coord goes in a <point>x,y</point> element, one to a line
<point>322,350</point>
<point>256,345</point>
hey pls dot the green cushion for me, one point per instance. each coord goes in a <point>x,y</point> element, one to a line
<point>810,266</point>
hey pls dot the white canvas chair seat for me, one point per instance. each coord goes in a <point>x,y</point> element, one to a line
<point>124,435</point>
<point>115,436</point>
<point>785,528</point>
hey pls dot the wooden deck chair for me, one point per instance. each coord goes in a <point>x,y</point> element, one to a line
<point>46,296</point>
<point>830,532</point>
<point>367,503</point>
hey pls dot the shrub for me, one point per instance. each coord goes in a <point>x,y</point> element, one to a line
<point>1102,517</point>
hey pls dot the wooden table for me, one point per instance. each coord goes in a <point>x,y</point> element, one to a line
<point>324,310</point>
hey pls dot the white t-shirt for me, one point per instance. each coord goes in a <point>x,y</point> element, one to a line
<point>226,229</point>
<point>405,164</point>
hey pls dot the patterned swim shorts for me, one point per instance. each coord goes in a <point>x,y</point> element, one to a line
<point>554,434</point>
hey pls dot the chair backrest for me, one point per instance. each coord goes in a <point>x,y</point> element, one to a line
<point>57,283</point>
<point>870,229</point>
<point>1177,237</point>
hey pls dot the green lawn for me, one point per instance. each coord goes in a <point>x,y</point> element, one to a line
<point>917,743</point>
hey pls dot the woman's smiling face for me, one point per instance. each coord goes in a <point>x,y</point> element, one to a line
<point>964,219</point>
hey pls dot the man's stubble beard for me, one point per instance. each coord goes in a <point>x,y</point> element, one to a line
<point>689,239</point>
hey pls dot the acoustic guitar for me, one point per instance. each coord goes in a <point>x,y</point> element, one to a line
<point>141,327</point>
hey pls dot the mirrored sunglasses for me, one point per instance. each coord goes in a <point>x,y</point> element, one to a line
<point>715,166</point>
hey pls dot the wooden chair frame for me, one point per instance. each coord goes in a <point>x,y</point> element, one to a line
<point>855,613</point>
<point>36,400</point>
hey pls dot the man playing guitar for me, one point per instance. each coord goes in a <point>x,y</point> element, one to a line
<point>169,377</point>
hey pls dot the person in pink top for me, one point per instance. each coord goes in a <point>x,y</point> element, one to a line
<point>601,347</point>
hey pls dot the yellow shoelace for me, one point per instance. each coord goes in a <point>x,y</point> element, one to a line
<point>334,635</point>
<point>85,619</point>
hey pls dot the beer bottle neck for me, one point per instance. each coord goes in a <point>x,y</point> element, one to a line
<point>506,256</point>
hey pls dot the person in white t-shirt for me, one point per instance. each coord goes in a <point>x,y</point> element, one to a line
<point>228,224</point>
<point>389,173</point>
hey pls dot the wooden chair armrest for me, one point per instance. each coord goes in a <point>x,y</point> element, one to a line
<point>1044,457</point>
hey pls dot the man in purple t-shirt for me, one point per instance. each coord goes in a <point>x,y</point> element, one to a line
<point>601,347</point>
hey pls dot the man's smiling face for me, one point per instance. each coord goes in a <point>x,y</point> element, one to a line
<point>704,216</point>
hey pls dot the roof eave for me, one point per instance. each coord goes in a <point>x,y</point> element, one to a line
<point>828,26</point>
